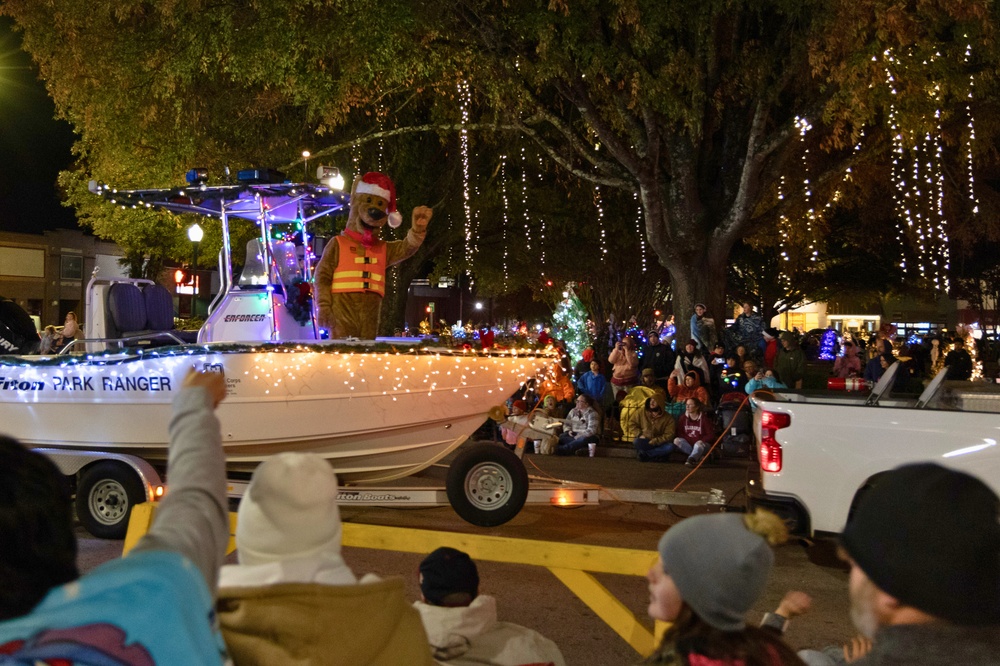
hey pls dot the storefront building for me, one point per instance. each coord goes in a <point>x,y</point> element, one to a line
<point>47,274</point>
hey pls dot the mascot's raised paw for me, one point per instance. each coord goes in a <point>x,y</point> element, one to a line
<point>421,216</point>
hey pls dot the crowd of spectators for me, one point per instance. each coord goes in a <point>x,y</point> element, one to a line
<point>919,358</point>
<point>719,372</point>
<point>720,369</point>
<point>652,388</point>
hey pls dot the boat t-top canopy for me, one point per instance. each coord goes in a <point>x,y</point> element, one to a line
<point>275,202</point>
<point>259,195</point>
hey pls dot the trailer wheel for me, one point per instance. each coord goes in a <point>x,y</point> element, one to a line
<point>487,485</point>
<point>105,496</point>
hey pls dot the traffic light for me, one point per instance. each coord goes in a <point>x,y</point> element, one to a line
<point>181,276</point>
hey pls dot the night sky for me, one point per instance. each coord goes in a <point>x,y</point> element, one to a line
<point>34,147</point>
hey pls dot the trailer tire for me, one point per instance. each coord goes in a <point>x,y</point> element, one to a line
<point>487,485</point>
<point>105,495</point>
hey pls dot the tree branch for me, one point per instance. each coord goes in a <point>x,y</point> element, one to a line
<point>397,131</point>
<point>576,93</point>
<point>589,176</point>
<point>739,214</point>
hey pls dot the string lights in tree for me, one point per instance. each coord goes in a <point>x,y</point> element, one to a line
<point>506,217</point>
<point>811,219</point>
<point>918,180</point>
<point>380,113</point>
<point>804,126</point>
<point>541,220</point>
<point>972,137</point>
<point>599,205</point>
<point>524,200</point>
<point>784,236</point>
<point>465,96</point>
<point>639,228</point>
<point>940,258</point>
<point>896,170</point>
<point>475,228</point>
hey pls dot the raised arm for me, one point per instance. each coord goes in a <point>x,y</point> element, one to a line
<point>193,519</point>
<point>397,251</point>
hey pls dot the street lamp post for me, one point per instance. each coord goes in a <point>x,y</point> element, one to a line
<point>195,234</point>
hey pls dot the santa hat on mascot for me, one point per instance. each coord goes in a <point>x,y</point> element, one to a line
<point>381,186</point>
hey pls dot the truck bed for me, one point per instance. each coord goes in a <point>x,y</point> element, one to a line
<point>833,446</point>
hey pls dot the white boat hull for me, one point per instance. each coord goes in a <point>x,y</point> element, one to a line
<point>376,415</point>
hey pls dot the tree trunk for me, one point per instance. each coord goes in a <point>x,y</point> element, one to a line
<point>698,278</point>
<point>693,252</point>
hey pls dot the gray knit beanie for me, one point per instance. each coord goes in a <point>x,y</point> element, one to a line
<point>719,566</point>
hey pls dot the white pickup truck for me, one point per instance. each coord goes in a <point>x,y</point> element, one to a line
<point>819,454</point>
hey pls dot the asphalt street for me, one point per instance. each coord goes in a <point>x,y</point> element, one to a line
<point>532,596</point>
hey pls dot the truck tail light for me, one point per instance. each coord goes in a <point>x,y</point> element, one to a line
<point>775,420</point>
<point>770,449</point>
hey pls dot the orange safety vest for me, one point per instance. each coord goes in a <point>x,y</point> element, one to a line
<point>359,268</point>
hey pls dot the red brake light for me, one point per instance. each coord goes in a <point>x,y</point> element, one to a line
<point>770,454</point>
<point>775,420</point>
<point>770,449</point>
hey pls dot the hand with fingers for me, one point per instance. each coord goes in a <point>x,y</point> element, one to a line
<point>857,648</point>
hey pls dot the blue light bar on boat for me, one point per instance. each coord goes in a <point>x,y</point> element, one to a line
<point>196,176</point>
<point>260,176</point>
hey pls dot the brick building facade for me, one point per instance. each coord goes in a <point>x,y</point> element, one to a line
<point>47,274</point>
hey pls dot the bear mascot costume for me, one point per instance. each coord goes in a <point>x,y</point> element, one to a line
<point>350,278</point>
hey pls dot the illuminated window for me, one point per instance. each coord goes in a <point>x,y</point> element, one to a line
<point>71,267</point>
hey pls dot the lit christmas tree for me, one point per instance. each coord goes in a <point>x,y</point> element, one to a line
<point>570,323</point>
<point>827,344</point>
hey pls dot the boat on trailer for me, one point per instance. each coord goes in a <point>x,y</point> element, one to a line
<point>377,409</point>
<point>377,413</point>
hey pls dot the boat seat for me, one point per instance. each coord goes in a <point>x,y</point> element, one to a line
<point>127,308</point>
<point>159,307</point>
<point>143,313</point>
<point>160,312</point>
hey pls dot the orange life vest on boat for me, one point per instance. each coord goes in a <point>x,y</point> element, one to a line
<point>359,268</point>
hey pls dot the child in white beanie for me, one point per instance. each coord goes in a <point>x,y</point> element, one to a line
<point>711,571</point>
<point>292,598</point>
